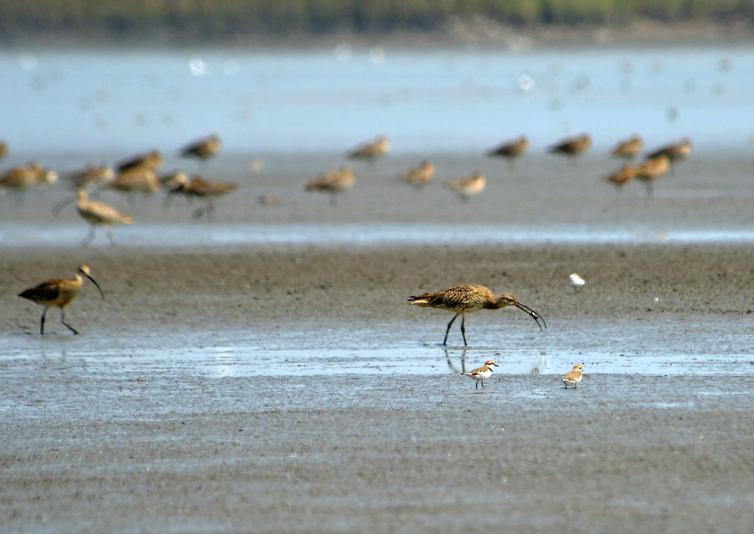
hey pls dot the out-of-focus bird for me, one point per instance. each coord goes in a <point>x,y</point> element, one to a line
<point>622,176</point>
<point>651,169</point>
<point>136,180</point>
<point>3,149</point>
<point>673,151</point>
<point>203,149</point>
<point>469,186</point>
<point>151,160</point>
<point>573,377</point>
<point>510,150</point>
<point>19,179</point>
<point>333,182</point>
<point>98,214</point>
<point>482,373</point>
<point>575,281</point>
<point>420,175</point>
<point>572,146</point>
<point>91,176</point>
<point>199,187</point>
<point>628,148</point>
<point>371,150</point>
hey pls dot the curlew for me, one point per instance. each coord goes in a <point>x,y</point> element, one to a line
<point>572,146</point>
<point>332,182</point>
<point>573,377</point>
<point>59,293</point>
<point>198,187</point>
<point>510,150</point>
<point>151,160</point>
<point>420,175</point>
<point>628,148</point>
<point>482,373</point>
<point>202,149</point>
<point>622,176</point>
<point>651,169</point>
<point>91,176</point>
<point>98,213</point>
<point>469,186</point>
<point>468,299</point>
<point>371,150</point>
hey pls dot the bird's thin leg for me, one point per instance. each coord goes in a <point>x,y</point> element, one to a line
<point>476,385</point>
<point>482,384</point>
<point>42,322</point>
<point>88,238</point>
<point>62,320</point>
<point>445,341</point>
<point>463,332</point>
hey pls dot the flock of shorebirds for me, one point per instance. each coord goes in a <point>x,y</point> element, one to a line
<point>139,174</point>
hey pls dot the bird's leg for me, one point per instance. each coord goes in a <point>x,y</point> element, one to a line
<point>88,238</point>
<point>463,332</point>
<point>476,384</point>
<point>445,341</point>
<point>62,320</point>
<point>482,381</point>
<point>42,322</point>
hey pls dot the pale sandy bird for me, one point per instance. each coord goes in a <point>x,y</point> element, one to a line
<point>622,176</point>
<point>19,179</point>
<point>333,182</point>
<point>203,149</point>
<point>151,160</point>
<point>572,146</point>
<point>91,176</point>
<point>469,186</point>
<point>141,180</point>
<point>371,150</point>
<point>628,148</point>
<point>651,169</point>
<point>480,374</point>
<point>59,293</point>
<point>673,151</point>
<point>573,377</point>
<point>3,149</point>
<point>198,187</point>
<point>469,299</point>
<point>510,150</point>
<point>98,213</point>
<point>420,175</point>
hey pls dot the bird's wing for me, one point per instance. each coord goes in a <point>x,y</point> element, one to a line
<point>48,290</point>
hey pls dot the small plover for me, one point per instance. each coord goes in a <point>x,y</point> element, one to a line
<point>481,373</point>
<point>573,377</point>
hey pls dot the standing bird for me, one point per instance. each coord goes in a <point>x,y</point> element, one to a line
<point>332,182</point>
<point>480,374</point>
<point>420,175</point>
<point>468,299</point>
<point>59,293</point>
<point>98,214</point>
<point>197,187</point>
<point>622,176</point>
<point>3,149</point>
<point>510,150</point>
<point>371,150</point>
<point>203,149</point>
<point>151,160</point>
<point>572,146</point>
<point>468,186</point>
<point>674,151</point>
<point>91,176</point>
<point>19,179</point>
<point>651,169</point>
<point>628,148</point>
<point>573,377</point>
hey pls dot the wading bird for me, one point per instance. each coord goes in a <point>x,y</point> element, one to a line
<point>651,169</point>
<point>371,150</point>
<point>197,187</point>
<point>151,160</point>
<point>510,150</point>
<point>480,374</point>
<point>674,152</point>
<point>572,146</point>
<point>91,176</point>
<point>59,293</point>
<point>573,377</point>
<point>332,182</point>
<point>203,149</point>
<point>19,179</point>
<point>628,148</point>
<point>420,175</point>
<point>622,176</point>
<point>98,214</point>
<point>468,299</point>
<point>469,186</point>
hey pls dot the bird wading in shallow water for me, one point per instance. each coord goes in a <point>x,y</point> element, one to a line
<point>468,299</point>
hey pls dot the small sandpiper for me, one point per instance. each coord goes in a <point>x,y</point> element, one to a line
<point>480,374</point>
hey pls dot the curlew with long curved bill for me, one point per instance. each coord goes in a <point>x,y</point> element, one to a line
<point>59,293</point>
<point>98,213</point>
<point>469,186</point>
<point>651,169</point>
<point>572,146</point>
<point>202,149</point>
<point>151,160</point>
<point>333,182</point>
<point>198,187</point>
<point>468,298</point>
<point>371,150</point>
<point>420,175</point>
<point>628,148</point>
<point>510,150</point>
<point>622,176</point>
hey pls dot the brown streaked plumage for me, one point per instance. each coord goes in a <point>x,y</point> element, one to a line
<point>420,175</point>
<point>136,180</point>
<point>628,148</point>
<point>98,214</point>
<point>468,186</point>
<point>27,176</point>
<point>59,293</point>
<point>651,169</point>
<point>371,150</point>
<point>673,151</point>
<point>198,187</point>
<point>480,374</point>
<point>622,176</point>
<point>573,377</point>
<point>572,146</point>
<point>469,298</point>
<point>510,150</point>
<point>91,176</point>
<point>203,149</point>
<point>332,182</point>
<point>151,160</point>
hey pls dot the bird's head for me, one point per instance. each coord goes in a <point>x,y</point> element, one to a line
<point>578,367</point>
<point>508,299</point>
<point>87,271</point>
<point>490,363</point>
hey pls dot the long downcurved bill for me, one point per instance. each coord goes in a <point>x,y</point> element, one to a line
<point>96,284</point>
<point>531,313</point>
